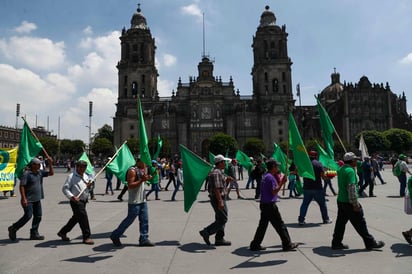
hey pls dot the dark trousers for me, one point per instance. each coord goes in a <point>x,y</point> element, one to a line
<point>33,209</point>
<point>345,214</point>
<point>402,180</point>
<point>218,226</point>
<point>367,182</point>
<point>270,213</point>
<point>171,179</point>
<point>79,216</point>
<point>257,190</point>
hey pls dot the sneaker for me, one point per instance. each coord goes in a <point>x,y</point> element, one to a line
<point>116,241</point>
<point>88,241</point>
<point>339,246</point>
<point>146,243</point>
<point>36,237</point>
<point>257,248</point>
<point>405,234</point>
<point>119,198</point>
<point>222,242</point>
<point>205,236</point>
<point>327,221</point>
<point>376,245</point>
<point>291,247</point>
<point>12,233</point>
<point>63,236</point>
<point>302,223</point>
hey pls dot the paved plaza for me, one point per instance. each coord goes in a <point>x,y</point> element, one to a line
<point>179,248</point>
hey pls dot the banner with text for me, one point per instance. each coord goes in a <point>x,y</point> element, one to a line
<point>7,168</point>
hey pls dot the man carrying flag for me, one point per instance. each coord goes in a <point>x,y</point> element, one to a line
<point>31,191</point>
<point>217,194</point>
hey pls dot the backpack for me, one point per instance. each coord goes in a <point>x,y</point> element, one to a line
<point>397,169</point>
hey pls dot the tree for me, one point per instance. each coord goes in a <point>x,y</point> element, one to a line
<point>50,145</point>
<point>166,147</point>
<point>374,140</point>
<point>400,140</point>
<point>71,148</point>
<point>222,143</point>
<point>102,147</point>
<point>105,132</point>
<point>254,147</point>
<point>133,144</point>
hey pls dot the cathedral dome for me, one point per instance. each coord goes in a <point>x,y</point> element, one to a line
<point>138,20</point>
<point>332,92</point>
<point>267,18</point>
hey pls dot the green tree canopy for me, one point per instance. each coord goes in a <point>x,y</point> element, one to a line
<point>102,147</point>
<point>374,140</point>
<point>50,145</point>
<point>133,144</point>
<point>400,139</point>
<point>254,147</point>
<point>222,143</point>
<point>71,148</point>
<point>105,132</point>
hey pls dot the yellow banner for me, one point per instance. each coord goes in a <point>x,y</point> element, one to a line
<point>8,159</point>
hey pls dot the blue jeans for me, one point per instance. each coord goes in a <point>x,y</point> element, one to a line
<point>178,184</point>
<point>313,194</point>
<point>155,188</point>
<point>33,209</point>
<point>133,211</point>
<point>402,181</point>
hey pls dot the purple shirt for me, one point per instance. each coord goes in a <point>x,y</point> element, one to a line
<point>268,184</point>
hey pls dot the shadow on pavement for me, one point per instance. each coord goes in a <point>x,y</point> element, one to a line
<point>402,250</point>
<point>326,251</point>
<point>196,248</point>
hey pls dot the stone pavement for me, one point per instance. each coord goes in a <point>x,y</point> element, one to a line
<point>179,248</point>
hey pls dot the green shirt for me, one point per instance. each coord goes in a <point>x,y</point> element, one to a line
<point>155,175</point>
<point>346,176</point>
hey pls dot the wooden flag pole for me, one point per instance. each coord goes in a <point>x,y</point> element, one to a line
<point>287,162</point>
<point>102,169</point>
<point>35,136</point>
<point>341,143</point>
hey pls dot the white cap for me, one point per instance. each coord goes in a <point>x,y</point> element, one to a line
<point>349,156</point>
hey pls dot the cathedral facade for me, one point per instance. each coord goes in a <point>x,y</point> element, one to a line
<point>205,105</point>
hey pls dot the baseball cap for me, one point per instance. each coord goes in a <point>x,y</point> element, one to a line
<point>81,163</point>
<point>349,156</point>
<point>313,153</point>
<point>219,158</point>
<point>36,160</point>
<point>402,156</point>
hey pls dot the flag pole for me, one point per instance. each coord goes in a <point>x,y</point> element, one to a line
<point>101,170</point>
<point>287,161</point>
<point>35,136</point>
<point>341,143</point>
<point>108,162</point>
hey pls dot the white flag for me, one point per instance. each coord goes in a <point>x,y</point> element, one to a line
<point>363,148</point>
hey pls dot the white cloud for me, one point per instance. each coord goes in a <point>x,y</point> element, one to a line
<point>165,87</point>
<point>169,60</point>
<point>88,30</point>
<point>407,59</point>
<point>34,52</point>
<point>193,10</point>
<point>25,27</point>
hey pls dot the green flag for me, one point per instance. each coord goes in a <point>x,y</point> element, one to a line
<point>327,129</point>
<point>90,168</point>
<point>144,143</point>
<point>195,171</point>
<point>29,148</point>
<point>244,160</point>
<point>325,159</point>
<point>300,155</point>
<point>121,162</point>
<point>279,156</point>
<point>159,147</point>
<point>211,158</point>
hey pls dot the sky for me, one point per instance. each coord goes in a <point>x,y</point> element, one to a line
<point>56,56</point>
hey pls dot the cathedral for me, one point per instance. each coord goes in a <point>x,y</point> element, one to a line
<point>206,104</point>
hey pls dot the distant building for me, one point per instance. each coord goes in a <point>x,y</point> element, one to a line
<point>10,137</point>
<point>206,105</point>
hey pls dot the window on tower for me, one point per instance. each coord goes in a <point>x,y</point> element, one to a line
<point>134,89</point>
<point>275,85</point>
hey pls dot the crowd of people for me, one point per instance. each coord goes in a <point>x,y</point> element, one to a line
<point>354,176</point>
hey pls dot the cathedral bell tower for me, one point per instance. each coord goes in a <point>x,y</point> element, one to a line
<point>137,76</point>
<point>272,77</point>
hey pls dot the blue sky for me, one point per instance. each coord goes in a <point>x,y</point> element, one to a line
<point>56,56</point>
